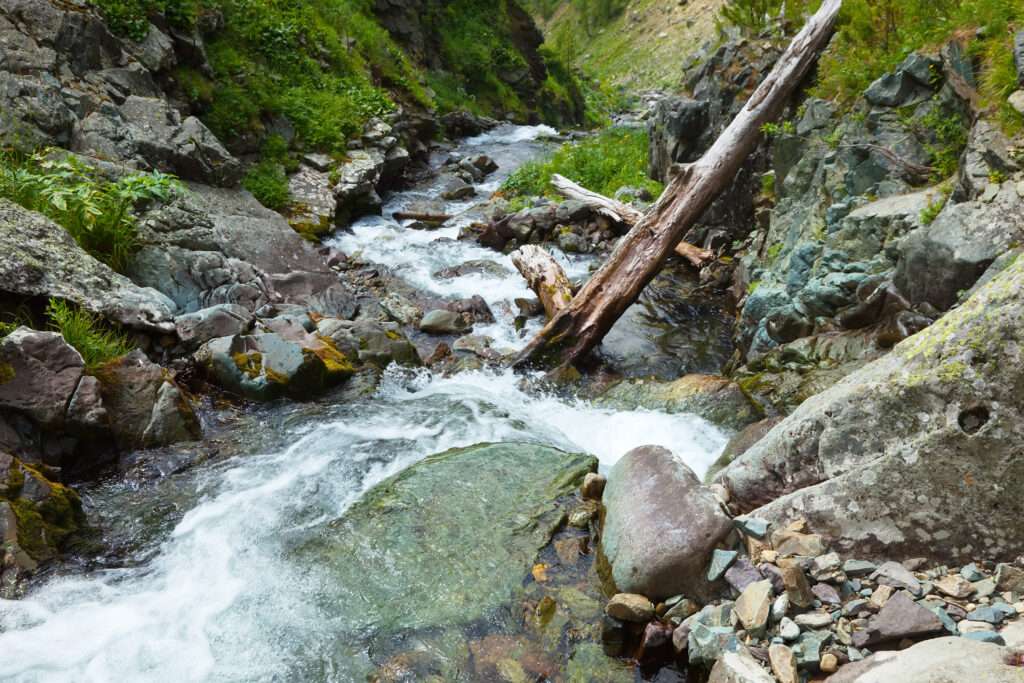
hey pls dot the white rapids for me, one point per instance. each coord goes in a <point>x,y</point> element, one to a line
<point>214,594</point>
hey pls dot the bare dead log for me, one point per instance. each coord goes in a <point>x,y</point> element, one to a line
<point>620,212</point>
<point>425,217</point>
<point>624,213</point>
<point>544,276</point>
<point>691,188</point>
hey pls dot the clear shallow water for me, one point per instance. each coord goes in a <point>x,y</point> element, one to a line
<point>209,588</point>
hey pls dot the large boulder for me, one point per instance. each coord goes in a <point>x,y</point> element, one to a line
<point>265,366</point>
<point>215,245</point>
<point>936,661</point>
<point>370,341</point>
<point>459,534</point>
<point>931,430</point>
<point>660,525</point>
<point>148,131</point>
<point>945,257</point>
<point>40,378</point>
<point>42,260</point>
<point>716,399</point>
<point>145,405</point>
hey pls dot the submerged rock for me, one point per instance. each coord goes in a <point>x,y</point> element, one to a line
<point>660,525</point>
<point>445,545</point>
<point>716,399</point>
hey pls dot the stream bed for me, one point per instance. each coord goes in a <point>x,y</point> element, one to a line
<point>206,574</point>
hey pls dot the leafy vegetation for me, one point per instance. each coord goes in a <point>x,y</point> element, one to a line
<point>268,184</point>
<point>131,17</point>
<point>602,163</point>
<point>95,340</point>
<point>93,209</point>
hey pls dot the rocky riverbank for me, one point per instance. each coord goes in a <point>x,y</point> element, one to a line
<point>857,337</point>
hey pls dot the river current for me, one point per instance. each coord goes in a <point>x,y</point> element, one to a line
<point>205,585</point>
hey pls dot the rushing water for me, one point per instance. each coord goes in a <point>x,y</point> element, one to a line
<point>205,585</point>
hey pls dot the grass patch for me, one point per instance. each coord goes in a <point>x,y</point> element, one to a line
<point>98,342</point>
<point>601,163</point>
<point>94,210</point>
<point>268,184</point>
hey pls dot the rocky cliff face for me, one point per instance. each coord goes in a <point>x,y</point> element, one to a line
<point>845,240</point>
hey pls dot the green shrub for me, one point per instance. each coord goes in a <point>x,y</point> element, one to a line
<point>94,210</point>
<point>757,14</point>
<point>602,163</point>
<point>268,184</point>
<point>130,18</point>
<point>96,341</point>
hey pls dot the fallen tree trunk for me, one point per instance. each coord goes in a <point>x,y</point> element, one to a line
<point>425,217</point>
<point>624,213</point>
<point>544,276</point>
<point>691,188</point>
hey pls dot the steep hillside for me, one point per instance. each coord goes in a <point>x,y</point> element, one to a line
<point>637,44</point>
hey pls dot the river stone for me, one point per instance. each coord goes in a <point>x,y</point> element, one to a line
<point>716,399</point>
<point>720,561</point>
<point>42,260</point>
<point>707,642</point>
<point>262,367</point>
<point>897,576</point>
<point>222,320</point>
<point>741,443</point>
<point>939,660</point>
<point>446,543</point>
<point>783,663</point>
<point>1018,56</point>
<point>738,666</point>
<point>145,405</point>
<point>39,374</point>
<point>440,321</point>
<point>630,607</point>
<point>900,618</point>
<point>753,607</point>
<point>926,429</point>
<point>954,586</point>
<point>660,524</point>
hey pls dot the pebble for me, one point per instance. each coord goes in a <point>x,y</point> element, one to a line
<point>630,607</point>
<point>681,610</point>
<point>814,620</point>
<point>754,606</point>
<point>990,615</point>
<point>593,486</point>
<point>780,607</point>
<point>967,626</point>
<point>897,576</point>
<point>826,593</point>
<point>797,588</point>
<point>854,607</point>
<point>985,587</point>
<point>955,586</point>
<point>783,663</point>
<point>855,567</point>
<point>741,574</point>
<point>956,611</point>
<point>788,542</point>
<point>720,561</point>
<point>829,663</point>
<point>752,526</point>
<point>788,629</point>
<point>878,599</point>
<point>947,621</point>
<point>972,573</point>
<point>773,574</point>
<point>986,637</point>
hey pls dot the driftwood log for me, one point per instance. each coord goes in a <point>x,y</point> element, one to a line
<point>691,188</point>
<point>544,276</point>
<point>425,217</point>
<point>626,214</point>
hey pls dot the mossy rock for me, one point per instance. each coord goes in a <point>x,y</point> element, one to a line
<point>48,514</point>
<point>716,399</point>
<point>443,548</point>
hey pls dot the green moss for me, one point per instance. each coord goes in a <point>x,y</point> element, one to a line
<point>6,373</point>
<point>46,527</point>
<point>250,364</point>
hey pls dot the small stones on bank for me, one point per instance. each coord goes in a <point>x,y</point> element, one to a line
<point>814,613</point>
<point>630,607</point>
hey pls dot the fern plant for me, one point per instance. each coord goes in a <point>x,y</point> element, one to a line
<point>95,211</point>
